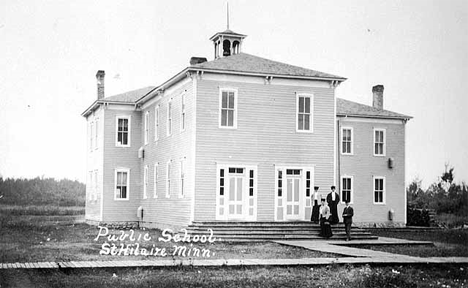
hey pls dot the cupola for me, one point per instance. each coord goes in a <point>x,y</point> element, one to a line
<point>228,42</point>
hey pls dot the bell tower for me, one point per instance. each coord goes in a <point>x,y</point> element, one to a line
<point>228,42</point>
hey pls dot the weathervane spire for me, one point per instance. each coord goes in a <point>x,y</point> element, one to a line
<point>227,9</point>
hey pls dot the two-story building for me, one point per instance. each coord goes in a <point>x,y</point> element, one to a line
<point>241,138</point>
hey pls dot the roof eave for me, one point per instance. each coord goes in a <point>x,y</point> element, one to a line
<point>98,102</point>
<point>403,117</point>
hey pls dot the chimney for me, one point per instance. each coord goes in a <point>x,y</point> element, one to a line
<point>100,83</point>
<point>197,60</point>
<point>377,100</point>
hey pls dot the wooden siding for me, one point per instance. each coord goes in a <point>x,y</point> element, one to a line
<point>265,136</point>
<point>363,166</point>
<point>121,157</point>
<point>94,162</point>
<point>174,210</point>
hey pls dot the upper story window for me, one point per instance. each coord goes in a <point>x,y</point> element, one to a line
<point>95,136</point>
<point>146,124</point>
<point>182,178</point>
<point>91,136</point>
<point>228,108</point>
<point>169,118</point>
<point>145,182</point>
<point>122,178</point>
<point>347,140</point>
<point>346,188</point>
<point>123,131</point>
<point>156,123</point>
<point>182,113</point>
<point>379,142</point>
<point>305,108</point>
<point>156,180</point>
<point>379,190</point>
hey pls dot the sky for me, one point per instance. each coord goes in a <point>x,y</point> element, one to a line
<point>50,52</point>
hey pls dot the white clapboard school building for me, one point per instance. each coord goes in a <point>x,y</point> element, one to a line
<point>241,138</point>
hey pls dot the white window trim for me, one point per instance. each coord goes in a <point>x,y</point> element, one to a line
<point>146,127</point>
<point>311,120</point>
<point>129,118</point>
<point>384,190</point>
<point>155,180</point>
<point>128,184</point>
<point>384,142</point>
<point>156,122</point>
<point>90,185</point>
<point>96,124</point>
<point>352,189</point>
<point>169,183</point>
<point>91,136</point>
<point>145,182</point>
<point>182,172</point>
<point>170,118</point>
<point>227,89</point>
<point>352,140</point>
<point>183,112</point>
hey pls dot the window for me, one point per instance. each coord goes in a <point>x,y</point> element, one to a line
<point>123,131</point>
<point>145,183</point>
<point>304,113</point>
<point>251,182</point>
<point>228,108</point>
<point>169,118</point>
<point>347,140</point>
<point>168,180</point>
<point>121,184</point>
<point>346,188</point>
<point>95,184</point>
<point>293,171</point>
<point>96,125</point>
<point>379,142</point>
<point>156,123</point>
<point>182,178</point>
<point>379,190</point>
<point>280,183</point>
<point>156,180</point>
<point>221,182</point>
<point>146,124</point>
<point>182,115</point>
<point>91,136</point>
<point>308,184</point>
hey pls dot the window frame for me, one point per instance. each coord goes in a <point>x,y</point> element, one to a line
<point>169,119</point>
<point>183,112</point>
<point>351,189</point>
<point>123,170</point>
<point>146,127</point>
<point>168,179</point>
<point>96,125</point>
<point>145,182</point>
<point>91,136</point>
<point>182,179</point>
<point>311,112</point>
<point>155,180</point>
<point>383,190</point>
<point>129,119</point>
<point>351,152</point>
<point>235,109</point>
<point>384,144</point>
<point>157,123</point>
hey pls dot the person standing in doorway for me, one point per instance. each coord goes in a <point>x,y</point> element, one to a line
<point>333,199</point>
<point>348,213</point>
<point>315,206</point>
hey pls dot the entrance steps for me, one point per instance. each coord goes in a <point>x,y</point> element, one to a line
<point>264,231</point>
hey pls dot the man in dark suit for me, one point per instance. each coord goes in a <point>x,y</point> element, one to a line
<point>348,213</point>
<point>333,199</point>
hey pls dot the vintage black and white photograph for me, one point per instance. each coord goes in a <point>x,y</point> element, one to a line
<point>233,143</point>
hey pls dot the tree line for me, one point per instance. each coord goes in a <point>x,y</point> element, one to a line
<point>42,191</point>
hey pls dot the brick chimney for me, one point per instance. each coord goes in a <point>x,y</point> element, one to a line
<point>377,100</point>
<point>100,83</point>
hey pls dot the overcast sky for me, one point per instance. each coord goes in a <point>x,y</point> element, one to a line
<point>50,52</point>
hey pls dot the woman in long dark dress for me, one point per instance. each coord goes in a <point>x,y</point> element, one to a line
<point>316,207</point>
<point>325,227</point>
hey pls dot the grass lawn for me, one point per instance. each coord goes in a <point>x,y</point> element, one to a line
<point>330,276</point>
<point>49,210</point>
<point>30,240</point>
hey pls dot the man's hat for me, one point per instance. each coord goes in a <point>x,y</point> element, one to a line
<point>316,187</point>
<point>333,187</point>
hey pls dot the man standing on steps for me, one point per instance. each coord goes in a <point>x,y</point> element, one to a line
<point>333,199</point>
<point>348,213</point>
